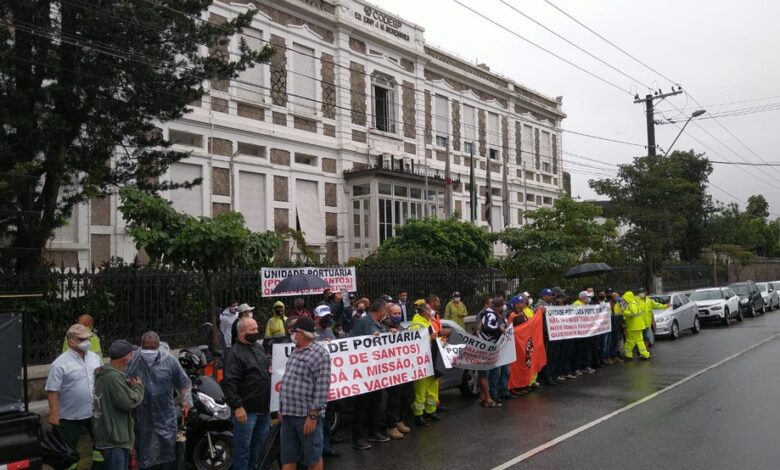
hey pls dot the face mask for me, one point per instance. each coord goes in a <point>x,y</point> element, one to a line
<point>456,299</point>
<point>278,313</point>
<point>252,338</point>
<point>233,310</point>
<point>325,322</point>
<point>642,296</point>
<point>84,345</point>
<point>149,355</point>
<point>396,319</point>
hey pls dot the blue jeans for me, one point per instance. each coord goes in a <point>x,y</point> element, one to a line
<point>248,439</point>
<point>115,458</point>
<point>498,379</point>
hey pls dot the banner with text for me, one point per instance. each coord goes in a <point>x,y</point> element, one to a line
<point>364,363</point>
<point>339,279</point>
<point>466,351</point>
<point>567,322</point>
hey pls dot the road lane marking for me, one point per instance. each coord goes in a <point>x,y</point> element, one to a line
<point>551,443</point>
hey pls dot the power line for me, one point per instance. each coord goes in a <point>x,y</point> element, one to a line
<point>575,45</point>
<point>749,163</point>
<point>582,69</point>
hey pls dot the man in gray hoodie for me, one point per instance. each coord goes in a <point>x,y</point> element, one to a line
<point>114,398</point>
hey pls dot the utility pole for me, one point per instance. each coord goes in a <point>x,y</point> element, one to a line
<point>649,101</point>
<point>525,194</point>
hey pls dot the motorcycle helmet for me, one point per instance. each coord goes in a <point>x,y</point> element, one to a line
<point>191,361</point>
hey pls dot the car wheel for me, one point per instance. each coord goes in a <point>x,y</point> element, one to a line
<point>726,317</point>
<point>469,385</point>
<point>696,325</point>
<point>675,330</point>
<point>740,315</point>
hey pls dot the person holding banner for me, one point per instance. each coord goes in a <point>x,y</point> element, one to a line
<point>635,323</point>
<point>399,397</point>
<point>426,391</point>
<point>582,356</point>
<point>493,326</point>
<point>365,416</point>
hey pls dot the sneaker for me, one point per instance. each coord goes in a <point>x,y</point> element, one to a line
<point>571,376</point>
<point>589,370</point>
<point>378,437</point>
<point>561,378</point>
<point>361,444</point>
<point>578,372</point>
<point>432,416</point>
<point>421,421</point>
<point>394,433</point>
<point>403,427</point>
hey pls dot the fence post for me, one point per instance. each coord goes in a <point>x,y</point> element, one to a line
<point>136,304</point>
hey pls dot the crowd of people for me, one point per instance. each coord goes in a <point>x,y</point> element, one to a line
<point>128,403</point>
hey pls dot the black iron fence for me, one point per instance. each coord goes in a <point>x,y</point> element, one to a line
<point>125,302</point>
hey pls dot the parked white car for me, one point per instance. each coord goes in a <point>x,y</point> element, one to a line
<point>682,314</point>
<point>717,304</point>
<point>769,294</point>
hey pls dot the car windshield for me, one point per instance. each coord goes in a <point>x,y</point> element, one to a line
<point>762,286</point>
<point>740,289</point>
<point>705,295</point>
<point>663,299</point>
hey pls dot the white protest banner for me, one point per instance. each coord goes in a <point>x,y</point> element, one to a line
<point>364,363</point>
<point>465,351</point>
<point>566,322</point>
<point>339,279</point>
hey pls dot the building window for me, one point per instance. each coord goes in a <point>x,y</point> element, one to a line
<point>493,154</point>
<point>402,204</point>
<point>185,138</point>
<point>304,159</point>
<point>441,119</point>
<point>384,102</point>
<point>548,201</point>
<point>361,189</point>
<point>304,80</point>
<point>468,148</point>
<point>469,129</point>
<point>546,167</point>
<point>252,150</point>
<point>493,133</point>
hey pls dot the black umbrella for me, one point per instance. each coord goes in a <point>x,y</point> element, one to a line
<point>299,282</point>
<point>588,269</point>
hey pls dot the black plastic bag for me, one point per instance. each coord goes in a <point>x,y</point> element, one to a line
<point>271,449</point>
<point>56,451</point>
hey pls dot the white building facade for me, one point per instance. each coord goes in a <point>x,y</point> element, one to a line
<point>355,126</point>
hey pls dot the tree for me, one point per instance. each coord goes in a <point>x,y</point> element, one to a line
<point>208,245</point>
<point>757,207</point>
<point>664,202</point>
<point>556,239</point>
<point>738,257</point>
<point>435,242</point>
<point>79,80</point>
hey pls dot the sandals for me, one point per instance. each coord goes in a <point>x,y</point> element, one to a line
<point>490,404</point>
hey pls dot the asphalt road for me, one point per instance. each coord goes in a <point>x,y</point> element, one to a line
<point>726,417</point>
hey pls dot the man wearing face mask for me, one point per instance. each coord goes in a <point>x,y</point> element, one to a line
<point>399,397</point>
<point>324,323</point>
<point>70,385</point>
<point>247,392</point>
<point>115,397</point>
<point>229,315</point>
<point>274,327</point>
<point>94,341</point>
<point>456,310</point>
<point>155,417</point>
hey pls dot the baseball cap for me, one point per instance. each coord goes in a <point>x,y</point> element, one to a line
<point>78,331</point>
<point>119,348</point>
<point>305,324</point>
<point>546,292</point>
<point>322,311</point>
<point>244,308</point>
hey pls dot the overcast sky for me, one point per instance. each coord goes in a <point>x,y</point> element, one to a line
<point>719,51</point>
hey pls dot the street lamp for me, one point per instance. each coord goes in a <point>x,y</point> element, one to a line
<point>694,114</point>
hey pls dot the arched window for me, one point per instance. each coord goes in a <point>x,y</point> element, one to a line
<point>383,89</point>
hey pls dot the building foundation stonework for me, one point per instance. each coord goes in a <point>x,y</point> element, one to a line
<point>340,134</point>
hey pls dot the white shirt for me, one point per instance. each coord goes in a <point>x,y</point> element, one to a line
<point>73,377</point>
<point>225,326</point>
